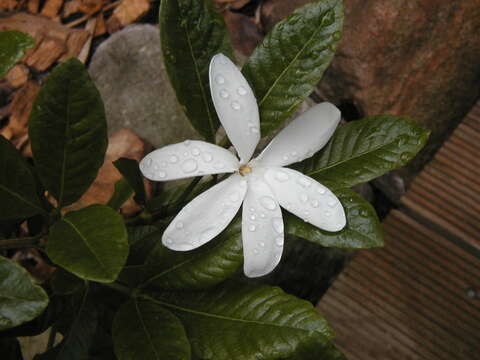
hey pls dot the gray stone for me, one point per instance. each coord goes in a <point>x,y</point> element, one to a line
<point>129,72</point>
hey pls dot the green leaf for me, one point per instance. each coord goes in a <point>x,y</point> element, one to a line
<point>68,131</point>
<point>191,33</point>
<point>13,45</point>
<point>65,283</point>
<point>290,62</point>
<point>91,243</point>
<point>198,269</point>
<point>365,149</point>
<point>20,299</point>
<point>363,229</point>
<point>142,329</point>
<point>270,323</point>
<point>131,172</point>
<point>18,195</point>
<point>122,193</point>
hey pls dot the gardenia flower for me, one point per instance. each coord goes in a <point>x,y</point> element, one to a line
<point>262,184</point>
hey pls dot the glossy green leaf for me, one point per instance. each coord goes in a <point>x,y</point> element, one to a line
<point>244,322</point>
<point>131,173</point>
<point>68,132</point>
<point>204,267</point>
<point>13,45</point>
<point>365,149</point>
<point>122,193</point>
<point>142,329</point>
<point>191,33</point>
<point>363,229</point>
<point>18,195</point>
<point>290,62</point>
<point>20,299</point>
<point>91,243</point>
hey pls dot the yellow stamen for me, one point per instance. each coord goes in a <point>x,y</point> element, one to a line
<point>244,170</point>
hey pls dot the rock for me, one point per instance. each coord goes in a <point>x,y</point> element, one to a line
<point>244,33</point>
<point>272,11</point>
<point>419,61</point>
<point>122,143</point>
<point>129,72</point>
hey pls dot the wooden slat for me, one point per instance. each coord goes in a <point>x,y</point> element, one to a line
<point>411,299</point>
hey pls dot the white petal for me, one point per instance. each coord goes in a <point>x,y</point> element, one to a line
<point>303,137</point>
<point>236,106</point>
<point>187,159</point>
<point>262,229</point>
<point>206,216</point>
<point>306,198</point>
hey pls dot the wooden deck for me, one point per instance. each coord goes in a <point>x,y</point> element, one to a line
<point>419,297</point>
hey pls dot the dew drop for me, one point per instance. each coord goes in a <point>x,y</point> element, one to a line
<point>207,157</point>
<point>163,164</point>
<point>328,213</point>
<point>162,174</point>
<point>187,142</point>
<point>148,163</point>
<point>304,182</point>
<point>262,215</point>
<point>223,60</point>
<point>252,210</point>
<point>169,241</point>
<point>235,105</point>
<point>254,130</point>
<point>304,198</point>
<point>252,217</point>
<point>261,244</point>
<point>156,167</point>
<point>179,225</point>
<point>332,202</point>
<point>315,203</point>
<point>224,94</point>
<point>281,176</point>
<point>285,157</point>
<point>195,152</point>
<point>220,79</point>
<point>306,213</point>
<point>278,225</point>
<point>173,159</point>
<point>293,154</point>
<point>279,241</point>
<point>321,191</point>
<point>189,165</point>
<point>255,251</point>
<point>219,165</point>
<point>242,91</point>
<point>268,203</point>
<point>252,227</point>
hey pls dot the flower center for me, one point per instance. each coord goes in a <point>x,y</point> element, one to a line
<point>244,170</point>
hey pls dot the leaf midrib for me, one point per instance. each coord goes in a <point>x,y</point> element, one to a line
<point>64,160</point>
<point>351,158</point>
<point>221,317</point>
<point>21,198</point>
<point>290,64</point>
<point>145,329</point>
<point>105,269</point>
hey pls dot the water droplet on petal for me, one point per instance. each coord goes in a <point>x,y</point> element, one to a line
<point>169,241</point>
<point>207,157</point>
<point>306,213</point>
<point>189,165</point>
<point>281,176</point>
<point>332,202</point>
<point>303,198</point>
<point>173,159</point>
<point>156,167</point>
<point>252,210</point>
<point>294,154</point>
<point>254,130</point>
<point>255,251</point>
<point>328,213</point>
<point>187,142</point>
<point>148,163</point>
<point>179,225</point>
<point>315,203</point>
<point>252,217</point>
<point>242,91</point>
<point>195,152</point>
<point>285,157</point>
<point>235,105</point>
<point>321,190</point>
<point>304,182</point>
<point>161,174</point>
<point>163,164</point>
<point>220,79</point>
<point>224,94</point>
<point>268,203</point>
<point>219,165</point>
<point>261,244</point>
<point>252,227</point>
<point>278,225</point>
<point>279,241</point>
<point>262,215</point>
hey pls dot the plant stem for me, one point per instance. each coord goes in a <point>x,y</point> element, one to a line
<point>51,337</point>
<point>18,243</point>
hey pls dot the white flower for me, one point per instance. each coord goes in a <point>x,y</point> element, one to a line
<point>262,184</point>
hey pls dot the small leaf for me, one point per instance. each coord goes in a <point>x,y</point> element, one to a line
<point>131,173</point>
<point>198,269</point>
<point>363,229</point>
<point>18,195</point>
<point>91,243</point>
<point>13,45</point>
<point>68,131</point>
<point>365,149</point>
<point>270,323</point>
<point>142,329</point>
<point>122,193</point>
<point>191,33</point>
<point>20,299</point>
<point>290,62</point>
